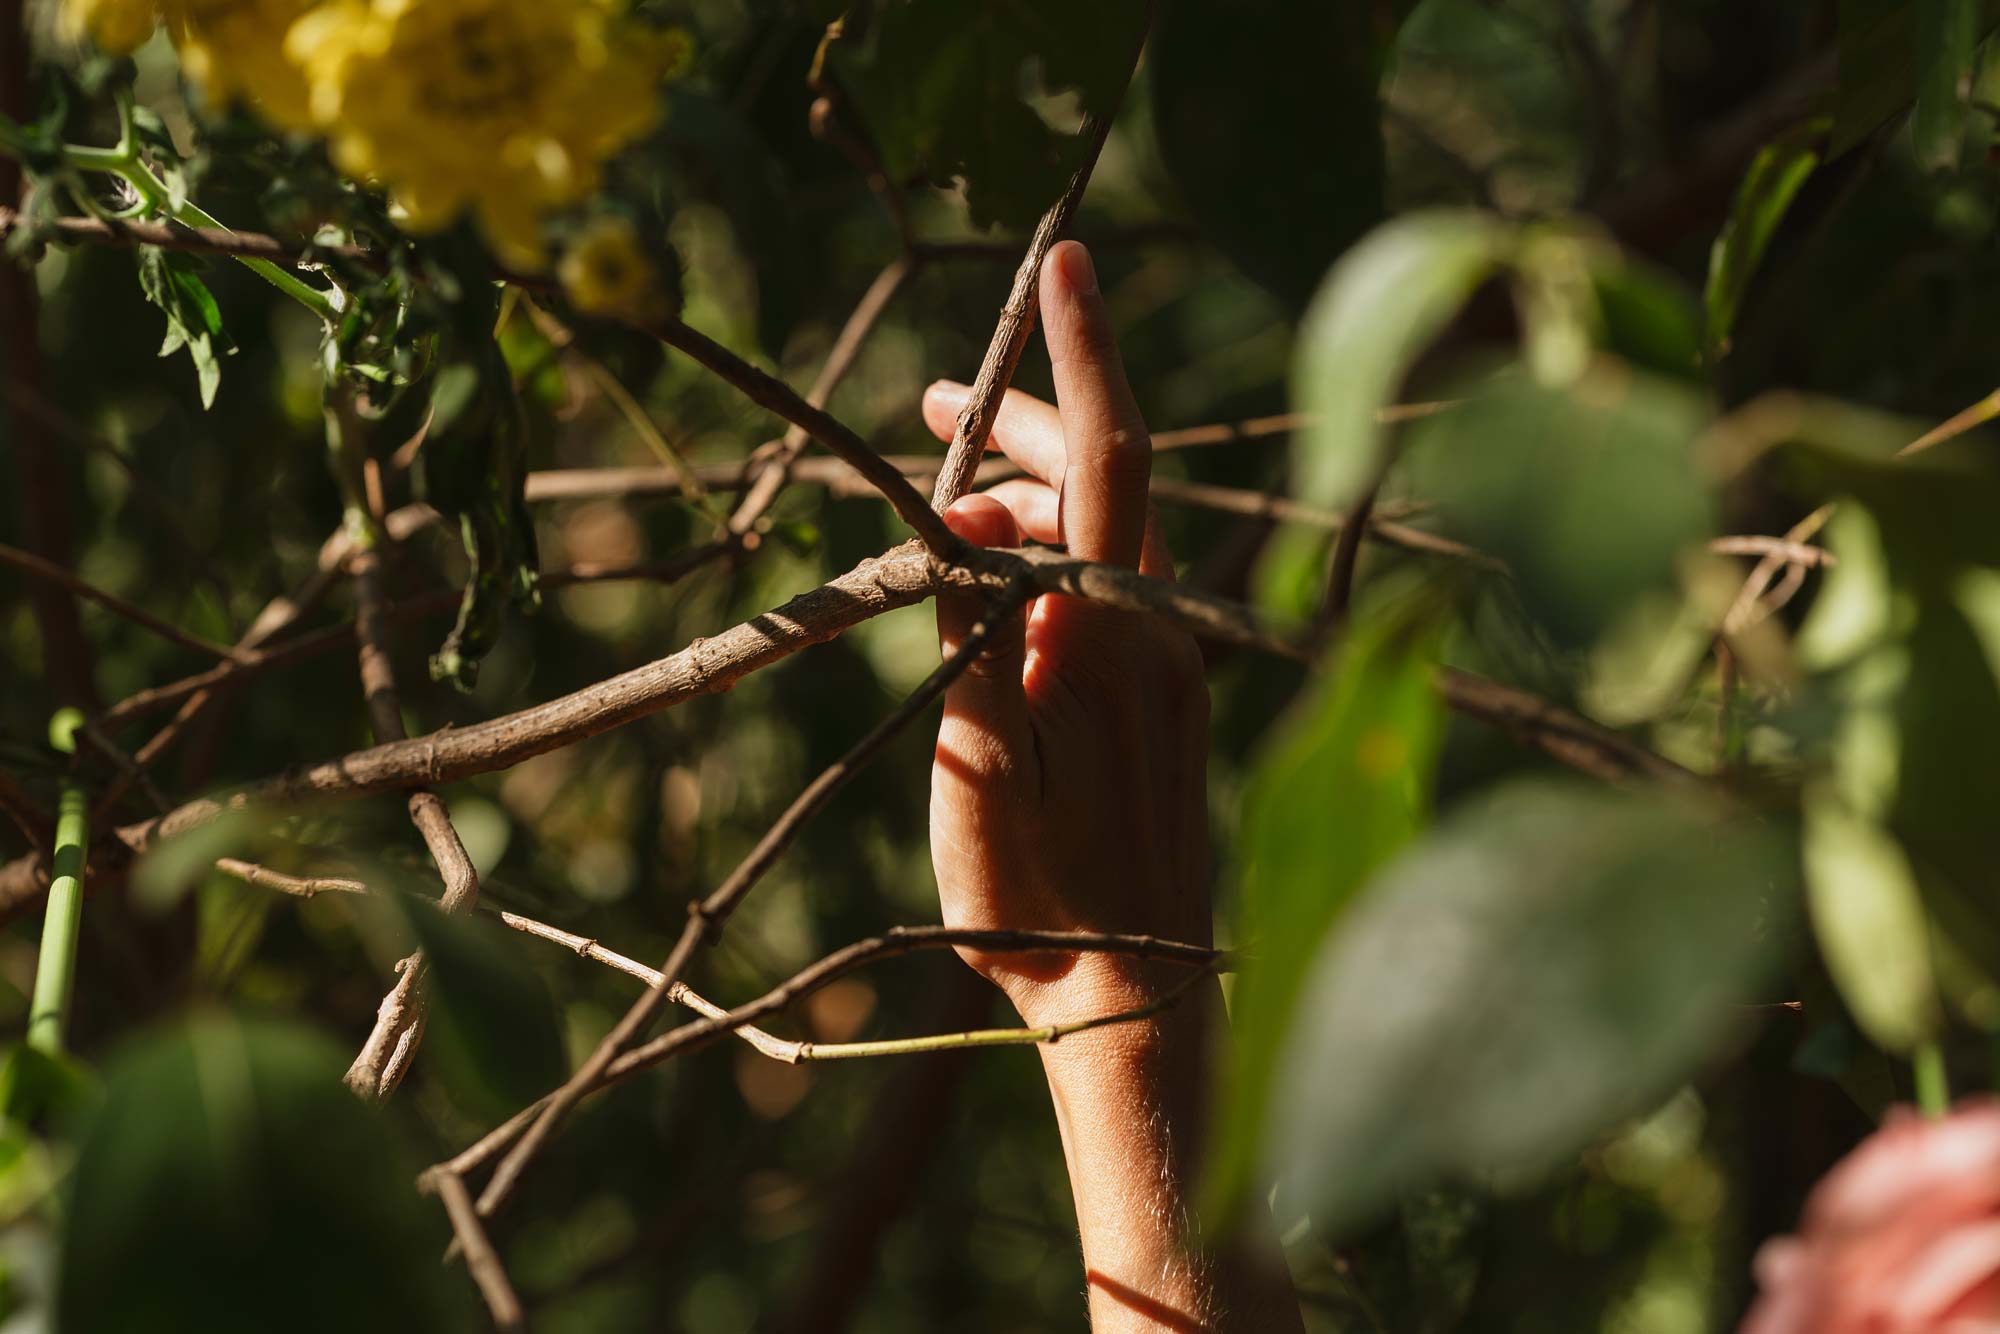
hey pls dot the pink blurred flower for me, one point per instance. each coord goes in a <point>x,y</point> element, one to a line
<point>1901,1237</point>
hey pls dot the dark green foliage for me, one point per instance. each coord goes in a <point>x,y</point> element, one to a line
<point>939,82</point>
<point>229,1182</point>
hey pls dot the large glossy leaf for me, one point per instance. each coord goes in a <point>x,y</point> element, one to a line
<point>1377,311</point>
<point>1774,179</point>
<point>1545,962</point>
<point>1536,475</point>
<point>1345,786</point>
<point>230,1182</point>
<point>1268,120</point>
<point>939,85</point>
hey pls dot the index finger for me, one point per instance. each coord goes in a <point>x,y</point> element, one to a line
<point>1108,460</point>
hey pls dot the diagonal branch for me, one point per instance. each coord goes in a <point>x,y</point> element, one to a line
<point>480,1257</point>
<point>1017,317</point>
<point>839,361</point>
<point>893,943</point>
<point>705,917</point>
<point>52,573</point>
<point>900,577</point>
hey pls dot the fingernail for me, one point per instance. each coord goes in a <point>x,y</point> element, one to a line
<point>1077,269</point>
<point>946,389</point>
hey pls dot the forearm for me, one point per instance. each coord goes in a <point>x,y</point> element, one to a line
<point>1131,1101</point>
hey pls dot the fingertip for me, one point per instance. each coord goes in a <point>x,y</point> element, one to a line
<point>1070,268</point>
<point>942,403</point>
<point>983,521</point>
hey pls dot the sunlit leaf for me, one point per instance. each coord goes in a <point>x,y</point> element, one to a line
<point>1550,959</point>
<point>1377,311</point>
<point>230,1182</point>
<point>1345,785</point>
<point>1773,180</point>
<point>1869,919</point>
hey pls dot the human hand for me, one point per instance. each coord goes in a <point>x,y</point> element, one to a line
<point>1068,791</point>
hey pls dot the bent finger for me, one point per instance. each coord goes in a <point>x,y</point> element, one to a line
<point>988,692</point>
<point>1026,430</point>
<point>1036,508</point>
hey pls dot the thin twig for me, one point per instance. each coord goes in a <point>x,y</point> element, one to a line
<point>1751,605</point>
<point>480,1257</point>
<point>840,359</point>
<point>1017,317</point>
<point>706,916</point>
<point>890,944</point>
<point>56,574</point>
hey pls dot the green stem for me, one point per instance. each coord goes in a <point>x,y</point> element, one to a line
<point>1933,1087</point>
<point>55,972</point>
<point>124,163</point>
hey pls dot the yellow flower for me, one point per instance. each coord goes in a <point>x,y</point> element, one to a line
<point>235,49</point>
<point>119,26</point>
<point>606,271</point>
<point>503,108</point>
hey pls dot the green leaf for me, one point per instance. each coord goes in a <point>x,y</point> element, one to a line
<point>1548,960</point>
<point>230,1183</point>
<point>1222,76</point>
<point>1535,475</point>
<point>1869,917</point>
<point>1376,312</point>
<point>494,1031</point>
<point>1345,784</point>
<point>1649,318</point>
<point>194,321</point>
<point>938,84</point>
<point>1773,180</point>
<point>1947,37</point>
<point>1947,722</point>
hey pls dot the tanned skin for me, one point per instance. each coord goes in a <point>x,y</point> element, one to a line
<point>1069,792</point>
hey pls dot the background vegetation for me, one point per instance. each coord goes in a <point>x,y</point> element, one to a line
<point>1530,1051</point>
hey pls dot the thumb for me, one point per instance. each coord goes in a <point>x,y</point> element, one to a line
<point>988,693</point>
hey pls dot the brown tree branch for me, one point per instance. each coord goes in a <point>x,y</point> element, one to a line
<point>840,359</point>
<point>480,1258</point>
<point>900,577</point>
<point>52,573</point>
<point>391,1045</point>
<point>1017,317</point>
<point>890,944</point>
<point>706,916</point>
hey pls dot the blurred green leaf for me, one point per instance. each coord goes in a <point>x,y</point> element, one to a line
<point>1281,206</point>
<point>1374,315</point>
<point>173,866</point>
<point>1773,180</point>
<point>1869,919</point>
<point>230,1182</point>
<point>39,1087</point>
<point>1534,476</point>
<point>1947,719</point>
<point>939,87</point>
<point>1649,317</point>
<point>493,1026</point>
<point>1549,959</point>
<point>1345,784</point>
<point>1947,36</point>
